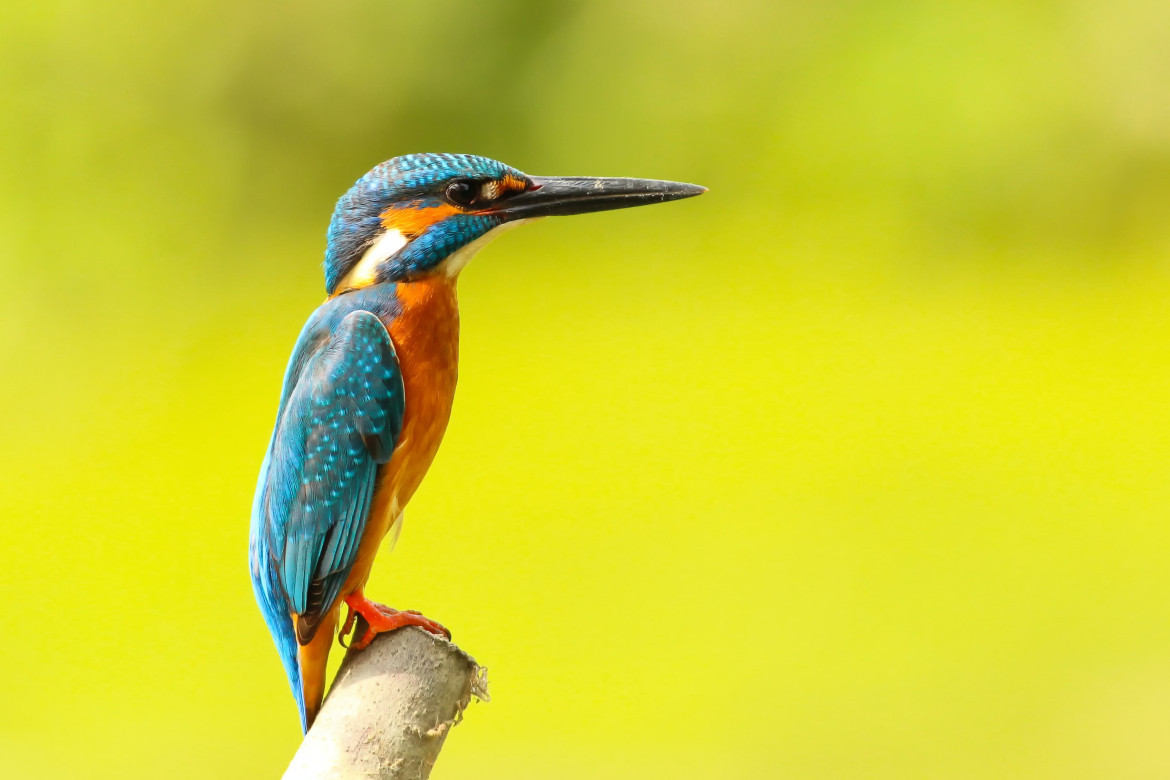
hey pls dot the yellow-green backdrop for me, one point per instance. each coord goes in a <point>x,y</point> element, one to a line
<point>855,467</point>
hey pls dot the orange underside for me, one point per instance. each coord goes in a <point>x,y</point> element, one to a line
<point>426,338</point>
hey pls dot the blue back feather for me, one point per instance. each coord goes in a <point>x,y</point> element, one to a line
<point>340,414</point>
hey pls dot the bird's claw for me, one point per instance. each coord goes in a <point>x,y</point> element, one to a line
<point>380,619</point>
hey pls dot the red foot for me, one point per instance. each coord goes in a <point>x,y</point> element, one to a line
<point>381,619</point>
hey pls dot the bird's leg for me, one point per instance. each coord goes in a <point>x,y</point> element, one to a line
<point>382,619</point>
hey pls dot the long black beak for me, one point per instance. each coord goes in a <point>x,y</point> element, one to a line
<point>563,195</point>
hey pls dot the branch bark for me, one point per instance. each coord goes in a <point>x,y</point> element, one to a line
<point>390,708</point>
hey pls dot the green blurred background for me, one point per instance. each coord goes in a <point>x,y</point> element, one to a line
<point>854,467</point>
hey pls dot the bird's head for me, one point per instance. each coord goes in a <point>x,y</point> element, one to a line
<point>423,214</point>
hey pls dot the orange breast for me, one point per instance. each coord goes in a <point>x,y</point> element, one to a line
<point>426,338</point>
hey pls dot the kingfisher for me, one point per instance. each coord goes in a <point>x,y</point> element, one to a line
<point>369,386</point>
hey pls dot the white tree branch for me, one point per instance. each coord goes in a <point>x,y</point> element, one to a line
<point>390,708</point>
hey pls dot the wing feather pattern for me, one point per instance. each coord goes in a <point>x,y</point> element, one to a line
<point>341,421</point>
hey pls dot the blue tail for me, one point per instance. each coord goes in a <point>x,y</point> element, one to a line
<point>273,606</point>
<point>273,603</point>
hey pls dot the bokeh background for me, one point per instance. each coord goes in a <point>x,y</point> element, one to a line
<point>855,467</point>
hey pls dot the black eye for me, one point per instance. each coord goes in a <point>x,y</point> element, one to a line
<point>462,193</point>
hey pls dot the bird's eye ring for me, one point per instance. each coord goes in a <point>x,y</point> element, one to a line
<point>462,193</point>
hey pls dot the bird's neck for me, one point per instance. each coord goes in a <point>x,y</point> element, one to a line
<point>458,260</point>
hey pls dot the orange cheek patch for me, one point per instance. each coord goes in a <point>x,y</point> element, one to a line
<point>514,184</point>
<point>412,221</point>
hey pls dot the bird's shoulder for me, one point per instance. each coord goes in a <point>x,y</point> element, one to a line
<point>323,324</point>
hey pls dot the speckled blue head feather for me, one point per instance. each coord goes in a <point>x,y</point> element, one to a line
<point>411,181</point>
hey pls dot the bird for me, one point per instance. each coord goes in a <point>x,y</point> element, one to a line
<point>368,390</point>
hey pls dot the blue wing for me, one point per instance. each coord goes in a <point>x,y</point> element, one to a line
<point>340,418</point>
